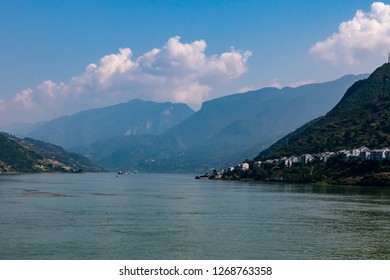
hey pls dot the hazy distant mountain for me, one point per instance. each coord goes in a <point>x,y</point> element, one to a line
<point>21,129</point>
<point>133,118</point>
<point>29,155</point>
<point>224,129</point>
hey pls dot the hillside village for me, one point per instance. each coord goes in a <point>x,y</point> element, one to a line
<point>362,153</point>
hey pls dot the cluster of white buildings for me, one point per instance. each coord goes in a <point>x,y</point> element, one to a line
<point>364,153</point>
<point>289,161</point>
<point>360,154</point>
<point>239,167</point>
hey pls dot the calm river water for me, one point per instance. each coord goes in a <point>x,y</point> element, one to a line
<point>165,216</point>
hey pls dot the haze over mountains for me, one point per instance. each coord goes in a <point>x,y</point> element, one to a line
<point>150,136</point>
<point>222,131</point>
<point>232,126</point>
<point>132,118</point>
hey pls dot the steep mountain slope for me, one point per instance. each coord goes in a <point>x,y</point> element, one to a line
<point>362,117</point>
<point>224,129</point>
<point>132,118</point>
<point>15,157</point>
<point>255,112</point>
<point>29,155</point>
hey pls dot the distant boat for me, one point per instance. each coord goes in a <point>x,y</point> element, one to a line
<point>205,176</point>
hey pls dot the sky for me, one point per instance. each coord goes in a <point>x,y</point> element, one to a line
<point>59,57</point>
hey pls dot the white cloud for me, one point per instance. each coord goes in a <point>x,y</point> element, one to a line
<point>366,34</point>
<point>247,88</point>
<point>275,83</point>
<point>25,98</point>
<point>301,83</point>
<point>178,72</point>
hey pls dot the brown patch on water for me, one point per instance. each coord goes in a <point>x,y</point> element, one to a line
<point>173,197</point>
<point>26,190</point>
<point>104,194</point>
<point>32,192</point>
<point>9,202</point>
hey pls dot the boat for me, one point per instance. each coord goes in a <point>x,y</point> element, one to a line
<point>205,176</point>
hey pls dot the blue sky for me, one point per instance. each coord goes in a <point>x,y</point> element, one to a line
<point>205,49</point>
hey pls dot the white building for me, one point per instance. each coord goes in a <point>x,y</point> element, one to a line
<point>365,155</point>
<point>355,152</point>
<point>379,154</point>
<point>231,168</point>
<point>306,158</point>
<point>242,166</point>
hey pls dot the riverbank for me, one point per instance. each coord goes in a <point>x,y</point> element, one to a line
<point>333,172</point>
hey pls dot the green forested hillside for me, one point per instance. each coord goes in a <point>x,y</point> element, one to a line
<point>29,155</point>
<point>14,157</point>
<point>362,117</point>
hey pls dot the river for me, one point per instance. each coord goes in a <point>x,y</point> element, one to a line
<point>171,216</point>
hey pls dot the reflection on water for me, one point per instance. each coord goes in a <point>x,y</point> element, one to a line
<point>154,216</point>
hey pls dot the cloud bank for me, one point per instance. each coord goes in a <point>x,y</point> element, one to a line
<point>178,72</point>
<point>366,34</point>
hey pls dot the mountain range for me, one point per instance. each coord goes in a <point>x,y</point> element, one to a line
<point>222,131</point>
<point>149,136</point>
<point>136,117</point>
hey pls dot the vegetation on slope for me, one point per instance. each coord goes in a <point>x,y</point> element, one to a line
<point>362,117</point>
<point>14,157</point>
<point>334,171</point>
<point>29,155</point>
